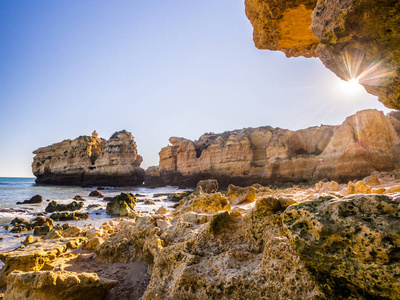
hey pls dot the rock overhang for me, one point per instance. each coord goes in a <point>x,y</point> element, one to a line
<point>357,39</point>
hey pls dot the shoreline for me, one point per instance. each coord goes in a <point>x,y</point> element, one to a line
<point>124,246</point>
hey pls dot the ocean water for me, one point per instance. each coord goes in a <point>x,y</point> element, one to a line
<point>13,190</point>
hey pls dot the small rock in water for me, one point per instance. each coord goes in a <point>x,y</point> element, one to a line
<point>96,193</point>
<point>33,200</point>
<point>149,202</point>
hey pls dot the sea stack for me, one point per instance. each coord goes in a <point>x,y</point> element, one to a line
<point>90,160</point>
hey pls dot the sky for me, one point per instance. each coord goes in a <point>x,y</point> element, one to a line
<point>155,68</point>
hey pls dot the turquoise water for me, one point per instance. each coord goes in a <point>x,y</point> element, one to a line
<point>13,190</point>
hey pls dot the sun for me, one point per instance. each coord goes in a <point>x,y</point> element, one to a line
<point>351,86</point>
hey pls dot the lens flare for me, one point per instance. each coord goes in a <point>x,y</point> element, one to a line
<point>353,64</point>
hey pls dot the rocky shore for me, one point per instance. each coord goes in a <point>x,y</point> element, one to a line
<point>90,160</point>
<point>365,142</point>
<point>331,240</point>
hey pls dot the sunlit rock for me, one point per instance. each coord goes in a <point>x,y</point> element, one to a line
<point>89,160</point>
<point>350,245</point>
<point>48,285</point>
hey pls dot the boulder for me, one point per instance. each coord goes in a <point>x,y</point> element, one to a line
<point>149,202</point>
<point>326,187</point>
<point>42,230</point>
<point>53,206</point>
<point>35,199</point>
<point>63,285</point>
<point>96,193</point>
<point>350,245</point>
<point>205,203</point>
<point>176,197</point>
<point>78,197</point>
<point>69,216</point>
<point>372,180</point>
<point>122,205</point>
<point>207,186</point>
<point>162,211</point>
<point>29,225</point>
<point>238,195</point>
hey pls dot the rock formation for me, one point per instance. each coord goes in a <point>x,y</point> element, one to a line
<point>48,285</point>
<point>355,39</point>
<point>351,245</point>
<point>213,254</point>
<point>365,142</point>
<point>89,160</point>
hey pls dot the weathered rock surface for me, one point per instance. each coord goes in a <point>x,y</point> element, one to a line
<point>283,26</point>
<point>122,205</point>
<point>89,160</point>
<point>350,245</point>
<point>21,225</point>
<point>205,203</point>
<point>214,256</point>
<point>355,39</point>
<point>48,285</point>
<point>34,256</point>
<point>54,206</point>
<point>69,216</point>
<point>364,143</point>
<point>206,186</point>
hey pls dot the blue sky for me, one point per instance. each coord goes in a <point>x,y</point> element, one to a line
<point>155,68</point>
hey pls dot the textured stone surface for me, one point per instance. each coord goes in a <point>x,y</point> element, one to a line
<point>364,32</point>
<point>89,160</point>
<point>364,143</point>
<point>214,256</point>
<point>283,26</point>
<point>34,256</point>
<point>122,205</point>
<point>350,245</point>
<point>205,203</point>
<point>355,39</point>
<point>206,186</point>
<point>48,285</point>
<point>54,206</point>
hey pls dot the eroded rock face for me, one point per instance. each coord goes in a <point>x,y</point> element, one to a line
<point>122,205</point>
<point>89,160</point>
<point>223,255</point>
<point>354,39</point>
<point>34,256</point>
<point>366,33</point>
<point>350,245</point>
<point>48,285</point>
<point>283,26</point>
<point>365,142</point>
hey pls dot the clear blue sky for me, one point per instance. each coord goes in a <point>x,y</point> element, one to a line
<point>155,68</point>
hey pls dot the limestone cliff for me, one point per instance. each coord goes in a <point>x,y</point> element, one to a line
<point>365,142</point>
<point>90,160</point>
<point>355,39</point>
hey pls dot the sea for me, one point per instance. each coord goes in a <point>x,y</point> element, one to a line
<point>13,190</point>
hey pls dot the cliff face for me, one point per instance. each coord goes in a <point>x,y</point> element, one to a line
<point>354,39</point>
<point>364,143</point>
<point>89,160</point>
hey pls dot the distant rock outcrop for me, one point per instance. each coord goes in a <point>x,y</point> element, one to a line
<point>89,160</point>
<point>365,142</point>
<point>354,39</point>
